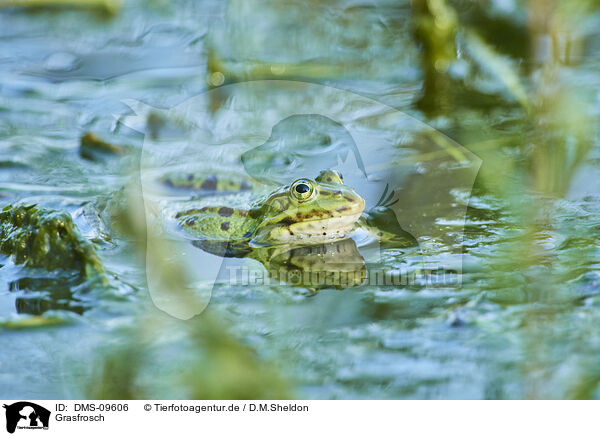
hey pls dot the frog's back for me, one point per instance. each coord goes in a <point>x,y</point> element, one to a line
<point>218,223</point>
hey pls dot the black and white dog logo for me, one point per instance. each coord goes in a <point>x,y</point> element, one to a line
<point>26,415</point>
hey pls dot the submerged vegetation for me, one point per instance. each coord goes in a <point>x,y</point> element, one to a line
<point>85,262</point>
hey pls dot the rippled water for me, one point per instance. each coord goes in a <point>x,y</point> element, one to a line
<point>522,324</point>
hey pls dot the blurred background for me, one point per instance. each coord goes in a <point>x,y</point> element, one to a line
<point>516,82</point>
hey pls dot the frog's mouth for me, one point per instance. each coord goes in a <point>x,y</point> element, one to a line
<point>309,231</point>
<point>323,229</point>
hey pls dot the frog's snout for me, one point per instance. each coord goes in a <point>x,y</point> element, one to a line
<point>353,204</point>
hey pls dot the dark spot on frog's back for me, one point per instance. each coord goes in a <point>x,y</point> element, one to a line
<point>350,199</point>
<point>342,209</point>
<point>254,213</point>
<point>225,226</point>
<point>225,211</point>
<point>210,184</point>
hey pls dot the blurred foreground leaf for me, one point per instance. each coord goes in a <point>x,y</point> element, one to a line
<point>196,358</point>
<point>28,322</point>
<point>111,7</point>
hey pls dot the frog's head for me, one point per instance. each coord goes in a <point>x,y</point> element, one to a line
<point>309,211</point>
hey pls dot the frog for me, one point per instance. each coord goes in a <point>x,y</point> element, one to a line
<point>299,228</point>
<point>306,211</point>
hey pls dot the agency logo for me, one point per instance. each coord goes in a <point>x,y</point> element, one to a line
<point>26,415</point>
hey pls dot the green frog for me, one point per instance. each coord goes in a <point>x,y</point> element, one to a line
<point>305,212</point>
<point>299,232</point>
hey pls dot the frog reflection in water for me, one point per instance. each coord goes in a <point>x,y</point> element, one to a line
<point>300,228</point>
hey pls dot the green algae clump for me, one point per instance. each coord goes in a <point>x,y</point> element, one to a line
<point>48,239</point>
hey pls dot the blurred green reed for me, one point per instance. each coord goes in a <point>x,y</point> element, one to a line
<point>110,7</point>
<point>195,358</point>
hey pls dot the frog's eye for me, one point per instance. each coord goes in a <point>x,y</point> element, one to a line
<point>303,190</point>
